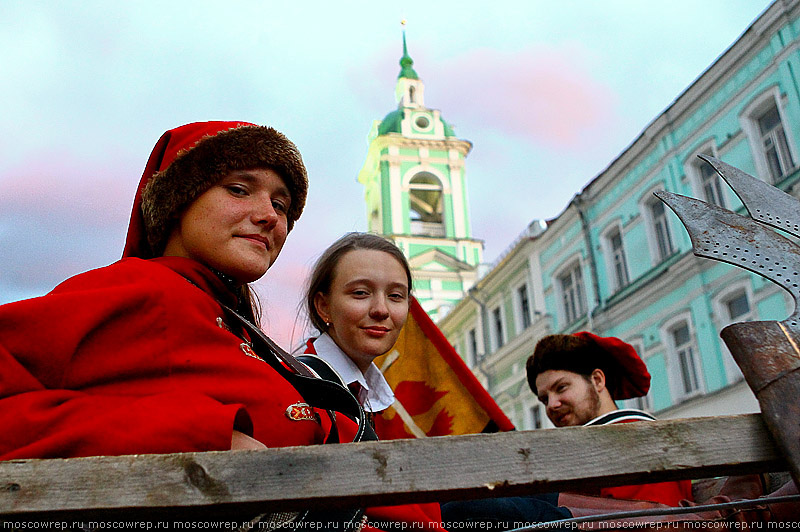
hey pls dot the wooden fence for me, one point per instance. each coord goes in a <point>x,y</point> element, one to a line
<point>195,485</point>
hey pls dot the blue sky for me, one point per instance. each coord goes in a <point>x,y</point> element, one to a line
<point>548,92</point>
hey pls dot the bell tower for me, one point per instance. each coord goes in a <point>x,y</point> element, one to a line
<point>416,194</point>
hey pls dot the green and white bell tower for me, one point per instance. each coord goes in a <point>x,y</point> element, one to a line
<point>416,194</point>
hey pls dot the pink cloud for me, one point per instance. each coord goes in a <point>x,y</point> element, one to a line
<point>544,94</point>
<point>280,292</point>
<point>61,216</point>
<point>59,185</point>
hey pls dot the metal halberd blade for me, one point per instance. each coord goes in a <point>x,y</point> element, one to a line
<point>768,352</point>
<point>765,203</point>
<point>725,236</point>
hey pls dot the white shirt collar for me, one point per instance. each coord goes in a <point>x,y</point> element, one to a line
<point>379,393</point>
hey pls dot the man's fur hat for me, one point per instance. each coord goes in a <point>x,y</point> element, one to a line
<point>188,160</point>
<point>582,353</point>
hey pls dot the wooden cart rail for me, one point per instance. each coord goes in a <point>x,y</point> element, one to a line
<point>192,485</point>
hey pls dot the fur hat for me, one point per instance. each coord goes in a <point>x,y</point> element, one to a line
<point>188,160</point>
<point>582,353</point>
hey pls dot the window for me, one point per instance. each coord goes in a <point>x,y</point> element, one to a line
<point>738,306</point>
<point>422,122</point>
<point>426,205</point>
<point>472,347</point>
<point>661,233</point>
<point>536,417</point>
<point>573,298</point>
<point>523,307</point>
<point>617,262</point>
<point>711,184</point>
<point>706,184</point>
<point>639,403</point>
<point>774,145</point>
<point>770,142</point>
<point>733,306</point>
<point>497,327</point>
<point>685,372</point>
<point>685,355</point>
<point>642,403</point>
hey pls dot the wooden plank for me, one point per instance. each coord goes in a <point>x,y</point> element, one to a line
<point>391,472</point>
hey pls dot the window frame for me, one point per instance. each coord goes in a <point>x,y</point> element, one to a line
<point>646,204</point>
<point>423,227</point>
<point>570,267</point>
<point>676,375</point>
<point>720,303</point>
<point>495,312</point>
<point>696,169</point>
<point>523,318</point>
<point>471,344</point>
<point>611,258</point>
<point>535,413</point>
<point>749,120</point>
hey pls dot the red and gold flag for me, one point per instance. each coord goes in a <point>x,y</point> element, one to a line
<point>436,394</point>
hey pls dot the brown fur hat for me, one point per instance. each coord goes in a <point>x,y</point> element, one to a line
<point>583,352</point>
<point>197,156</point>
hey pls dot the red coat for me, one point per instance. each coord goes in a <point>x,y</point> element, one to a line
<point>669,493</point>
<point>130,359</point>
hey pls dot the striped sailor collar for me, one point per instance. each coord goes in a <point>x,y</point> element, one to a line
<point>620,416</point>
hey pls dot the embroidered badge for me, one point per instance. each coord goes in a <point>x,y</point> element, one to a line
<point>300,412</point>
<point>248,350</point>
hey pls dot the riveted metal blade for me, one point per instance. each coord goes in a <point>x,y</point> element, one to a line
<point>765,203</point>
<point>768,352</point>
<point>725,236</point>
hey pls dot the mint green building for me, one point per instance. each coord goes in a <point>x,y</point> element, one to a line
<point>416,194</point>
<point>618,263</point>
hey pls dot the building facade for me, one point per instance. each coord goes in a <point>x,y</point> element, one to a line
<point>617,262</point>
<point>416,194</point>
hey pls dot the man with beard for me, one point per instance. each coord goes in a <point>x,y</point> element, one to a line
<point>579,377</point>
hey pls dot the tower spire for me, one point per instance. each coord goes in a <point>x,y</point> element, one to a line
<point>406,63</point>
<point>416,194</point>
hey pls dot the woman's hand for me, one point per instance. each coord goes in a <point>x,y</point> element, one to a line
<point>242,442</point>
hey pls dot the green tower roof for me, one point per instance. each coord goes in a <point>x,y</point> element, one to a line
<point>391,122</point>
<point>406,63</point>
<point>448,129</point>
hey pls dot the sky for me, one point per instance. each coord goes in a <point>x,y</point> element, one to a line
<point>549,93</point>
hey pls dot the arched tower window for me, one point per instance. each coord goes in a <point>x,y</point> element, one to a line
<point>426,205</point>
<point>411,94</point>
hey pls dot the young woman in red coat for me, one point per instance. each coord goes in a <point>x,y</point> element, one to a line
<point>138,357</point>
<point>141,356</point>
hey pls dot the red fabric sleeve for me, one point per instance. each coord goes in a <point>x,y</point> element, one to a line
<point>57,397</point>
<point>669,493</point>
<point>58,423</point>
<point>426,516</point>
